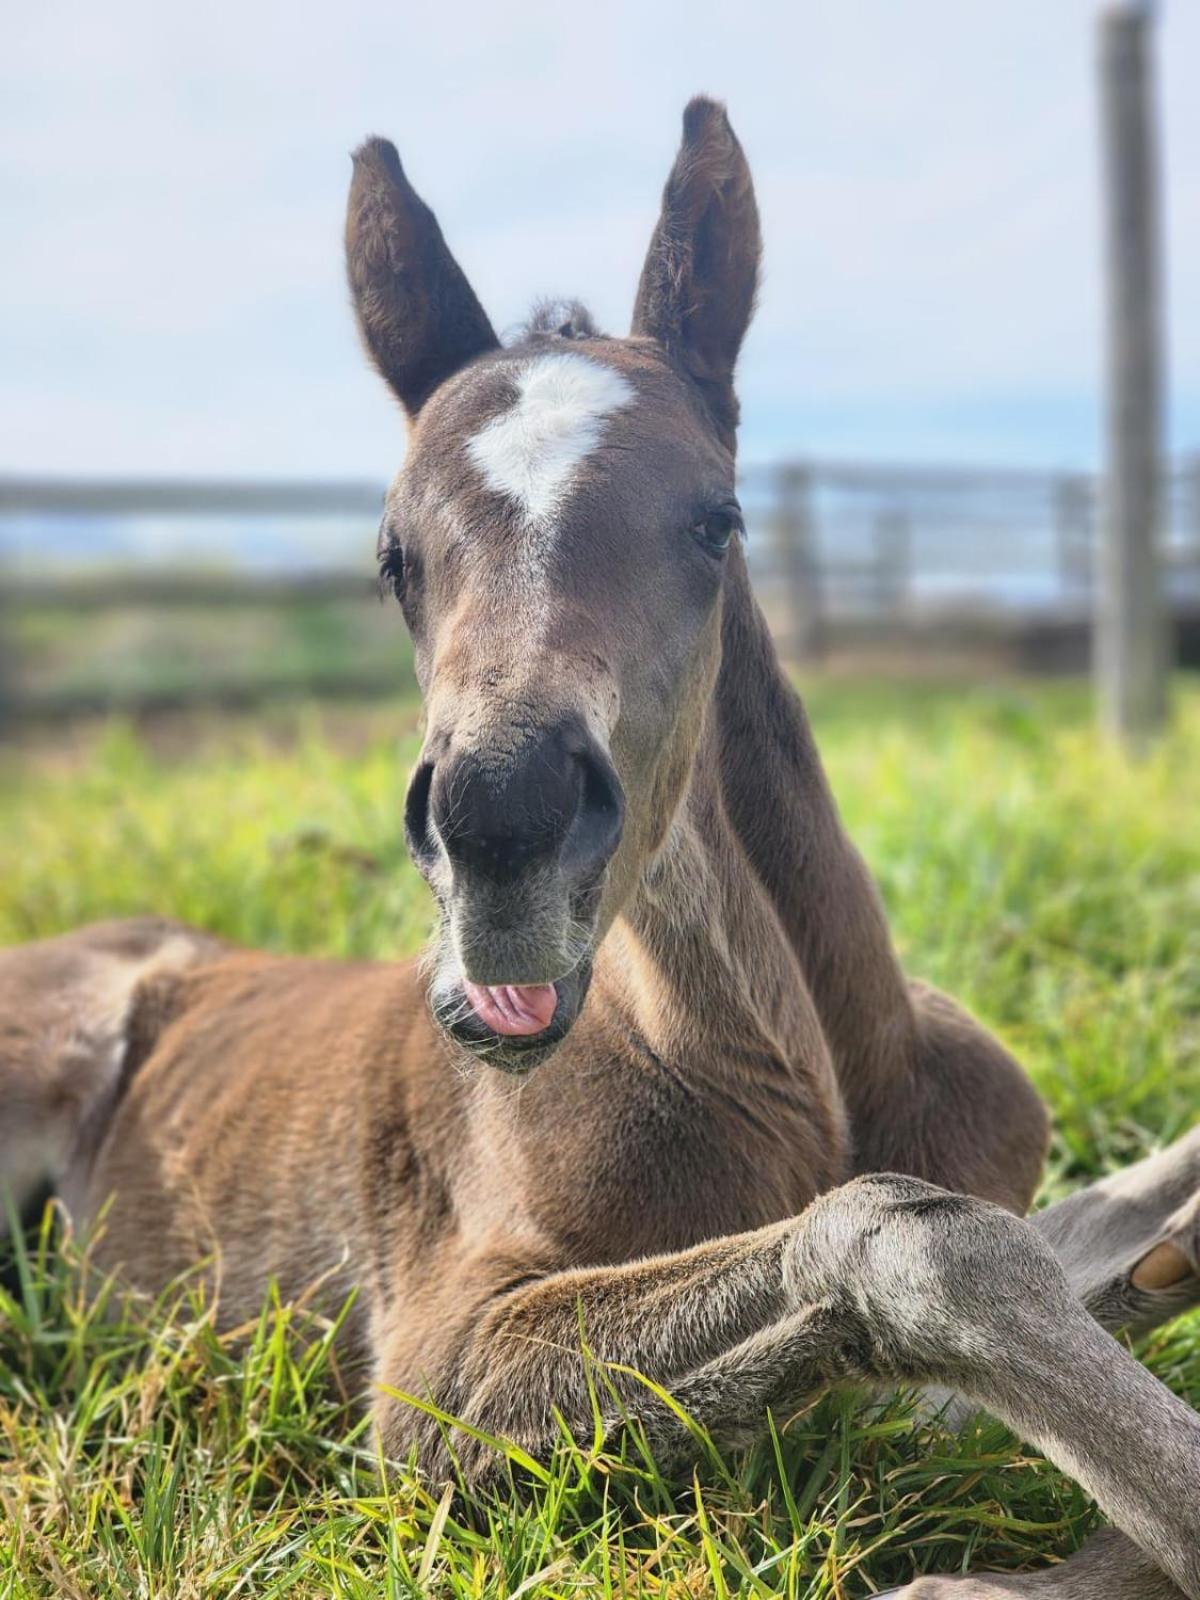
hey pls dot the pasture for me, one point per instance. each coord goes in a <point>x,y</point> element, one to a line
<point>1035,873</point>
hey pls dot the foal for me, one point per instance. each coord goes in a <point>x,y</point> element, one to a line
<point>753,1159</point>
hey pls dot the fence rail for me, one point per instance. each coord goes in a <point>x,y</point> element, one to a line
<point>183,497</point>
<point>844,555</point>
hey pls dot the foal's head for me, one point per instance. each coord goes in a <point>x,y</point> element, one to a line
<point>559,539</point>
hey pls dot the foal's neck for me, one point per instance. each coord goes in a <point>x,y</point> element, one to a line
<point>758,919</point>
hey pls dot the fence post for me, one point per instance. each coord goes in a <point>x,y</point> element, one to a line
<point>893,560</point>
<point>802,637</point>
<point>8,694</point>
<point>1131,642</point>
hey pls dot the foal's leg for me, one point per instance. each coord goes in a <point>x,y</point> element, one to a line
<point>1109,1567</point>
<point>1130,1244</point>
<point>1130,1247</point>
<point>962,1113</point>
<point>886,1279</point>
<point>67,1007</point>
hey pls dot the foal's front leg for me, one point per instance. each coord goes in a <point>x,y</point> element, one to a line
<point>1130,1247</point>
<point>887,1279</point>
<point>982,1305</point>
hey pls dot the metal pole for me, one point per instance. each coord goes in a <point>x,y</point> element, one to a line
<point>1131,653</point>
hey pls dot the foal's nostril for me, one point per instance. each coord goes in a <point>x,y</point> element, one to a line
<point>417,828</point>
<point>595,829</point>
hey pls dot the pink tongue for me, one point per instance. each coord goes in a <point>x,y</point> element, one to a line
<point>513,1008</point>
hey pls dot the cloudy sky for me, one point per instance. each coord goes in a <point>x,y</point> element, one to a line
<point>173,180</point>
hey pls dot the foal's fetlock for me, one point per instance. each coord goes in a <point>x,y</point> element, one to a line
<point>935,1280</point>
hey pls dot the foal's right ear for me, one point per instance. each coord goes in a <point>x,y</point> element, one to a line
<point>417,314</point>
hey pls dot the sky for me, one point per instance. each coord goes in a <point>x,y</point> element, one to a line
<point>172,182</point>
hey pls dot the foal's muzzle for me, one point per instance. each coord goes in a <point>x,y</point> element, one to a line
<point>514,838</point>
<point>555,802</point>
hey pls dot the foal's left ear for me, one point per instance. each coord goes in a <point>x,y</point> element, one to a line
<point>697,291</point>
<point>418,315</point>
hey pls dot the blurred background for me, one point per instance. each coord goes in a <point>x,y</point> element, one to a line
<point>980,321</point>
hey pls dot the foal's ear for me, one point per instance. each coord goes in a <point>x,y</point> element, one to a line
<point>418,315</point>
<point>698,285</point>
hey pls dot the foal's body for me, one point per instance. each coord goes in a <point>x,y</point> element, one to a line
<point>748,1045</point>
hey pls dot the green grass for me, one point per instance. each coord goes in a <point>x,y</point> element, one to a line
<point>1047,882</point>
<point>69,658</point>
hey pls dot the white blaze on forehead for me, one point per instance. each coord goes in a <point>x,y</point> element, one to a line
<point>531,451</point>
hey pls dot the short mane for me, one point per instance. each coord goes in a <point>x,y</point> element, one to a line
<point>557,319</point>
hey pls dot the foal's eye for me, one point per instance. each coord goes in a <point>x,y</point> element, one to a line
<point>391,569</point>
<point>717,528</point>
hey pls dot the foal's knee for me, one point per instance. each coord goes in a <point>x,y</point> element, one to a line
<point>929,1283</point>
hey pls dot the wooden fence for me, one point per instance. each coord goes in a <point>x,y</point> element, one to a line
<point>919,558</point>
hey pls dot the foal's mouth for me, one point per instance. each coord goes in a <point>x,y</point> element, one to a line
<point>511,1026</point>
<point>516,852</point>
